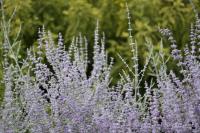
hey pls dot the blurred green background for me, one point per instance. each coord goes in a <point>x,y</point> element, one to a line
<point>70,17</point>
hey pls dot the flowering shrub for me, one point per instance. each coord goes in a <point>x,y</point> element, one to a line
<point>52,90</point>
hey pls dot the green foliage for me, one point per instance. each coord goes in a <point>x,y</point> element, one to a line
<point>71,17</point>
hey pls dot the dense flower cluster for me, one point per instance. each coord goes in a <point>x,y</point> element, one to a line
<point>53,92</point>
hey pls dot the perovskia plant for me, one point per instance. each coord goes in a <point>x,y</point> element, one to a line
<point>58,96</point>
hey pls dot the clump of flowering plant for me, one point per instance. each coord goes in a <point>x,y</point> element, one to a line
<point>52,92</point>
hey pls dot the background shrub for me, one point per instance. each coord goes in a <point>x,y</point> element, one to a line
<point>72,17</point>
